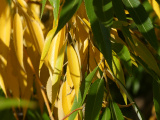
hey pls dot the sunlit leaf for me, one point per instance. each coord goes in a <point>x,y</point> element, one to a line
<point>106,114</point>
<point>142,21</point>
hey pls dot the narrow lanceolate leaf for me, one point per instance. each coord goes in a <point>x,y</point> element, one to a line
<point>118,72</point>
<point>74,67</point>
<point>94,100</point>
<point>43,5</point>
<point>141,50</point>
<point>104,11</point>
<point>68,95</point>
<point>68,10</point>
<point>115,111</point>
<point>156,98</point>
<point>87,83</point>
<point>18,38</point>
<point>84,90</point>
<point>5,29</point>
<point>37,34</point>
<point>106,114</point>
<point>53,83</point>
<point>57,73</point>
<point>101,34</point>
<point>124,55</point>
<point>142,21</point>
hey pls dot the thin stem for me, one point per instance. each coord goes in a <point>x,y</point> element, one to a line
<point>40,84</point>
<point>72,112</point>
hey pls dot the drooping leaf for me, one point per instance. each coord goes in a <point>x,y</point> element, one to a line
<point>118,72</point>
<point>142,21</point>
<point>106,114</point>
<point>82,93</point>
<point>115,111</point>
<point>94,100</point>
<point>104,11</point>
<point>74,67</point>
<point>101,34</point>
<point>124,55</point>
<point>141,50</point>
<point>43,5</point>
<point>68,10</point>
<point>88,81</point>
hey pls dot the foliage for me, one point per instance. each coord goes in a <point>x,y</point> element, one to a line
<point>73,56</point>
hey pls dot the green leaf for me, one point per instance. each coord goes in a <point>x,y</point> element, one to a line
<point>68,10</point>
<point>43,5</point>
<point>55,4</point>
<point>106,114</point>
<point>101,34</point>
<point>7,103</point>
<point>94,100</point>
<point>76,104</point>
<point>115,111</point>
<point>104,11</point>
<point>142,21</point>
<point>124,55</point>
<point>156,98</point>
<point>82,93</point>
<point>88,81</point>
<point>122,87</point>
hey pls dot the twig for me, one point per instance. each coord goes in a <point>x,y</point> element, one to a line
<point>40,84</point>
<point>72,112</point>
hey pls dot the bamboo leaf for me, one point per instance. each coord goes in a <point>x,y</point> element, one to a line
<point>106,114</point>
<point>115,111</point>
<point>101,34</point>
<point>142,21</point>
<point>94,100</point>
<point>104,11</point>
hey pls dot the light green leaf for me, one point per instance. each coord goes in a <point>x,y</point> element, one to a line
<point>7,103</point>
<point>106,114</point>
<point>94,100</point>
<point>115,111</point>
<point>43,5</point>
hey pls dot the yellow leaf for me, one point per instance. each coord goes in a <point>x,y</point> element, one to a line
<point>74,67</point>
<point>118,72</point>
<point>18,38</point>
<point>68,78</point>
<point>55,80</point>
<point>67,98</point>
<point>155,6</point>
<point>5,28</point>
<point>61,114</point>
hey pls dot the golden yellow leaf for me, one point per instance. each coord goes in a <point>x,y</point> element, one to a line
<point>61,114</point>
<point>18,38</point>
<point>155,6</point>
<point>68,78</point>
<point>74,67</point>
<point>67,97</point>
